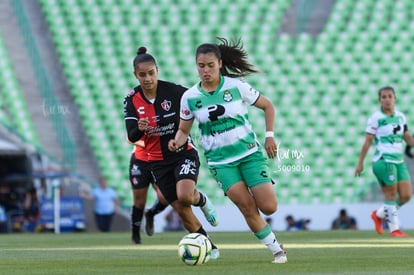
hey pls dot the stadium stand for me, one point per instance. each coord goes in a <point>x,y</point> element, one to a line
<point>13,112</point>
<point>323,87</point>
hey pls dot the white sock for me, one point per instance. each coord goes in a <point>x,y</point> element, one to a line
<point>380,212</point>
<point>391,216</point>
<point>268,238</point>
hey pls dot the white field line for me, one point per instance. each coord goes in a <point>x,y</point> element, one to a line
<point>221,246</point>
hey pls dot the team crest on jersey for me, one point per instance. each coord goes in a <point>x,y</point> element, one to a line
<point>166,105</point>
<point>227,96</point>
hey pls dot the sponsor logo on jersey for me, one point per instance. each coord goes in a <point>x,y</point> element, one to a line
<point>141,110</point>
<point>251,145</point>
<point>227,96</point>
<point>166,105</point>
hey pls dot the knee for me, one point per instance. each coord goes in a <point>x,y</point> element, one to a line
<point>185,199</point>
<point>269,209</point>
<point>404,198</point>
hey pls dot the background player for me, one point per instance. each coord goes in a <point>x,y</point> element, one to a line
<point>388,127</point>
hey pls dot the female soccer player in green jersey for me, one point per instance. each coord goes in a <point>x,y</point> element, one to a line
<point>219,103</point>
<point>388,127</point>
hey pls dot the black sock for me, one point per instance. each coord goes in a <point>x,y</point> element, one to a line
<point>136,218</point>
<point>157,207</point>
<point>202,231</point>
<point>202,200</point>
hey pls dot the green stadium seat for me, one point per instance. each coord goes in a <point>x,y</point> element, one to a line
<point>343,65</point>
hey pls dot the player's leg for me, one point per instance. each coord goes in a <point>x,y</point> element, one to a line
<point>189,220</point>
<point>404,190</point>
<point>404,184</point>
<point>387,176</point>
<point>140,198</point>
<point>193,225</point>
<point>168,189</point>
<point>255,174</point>
<point>240,195</point>
<point>140,178</point>
<point>159,205</point>
<point>265,198</point>
<point>186,191</point>
<point>188,194</point>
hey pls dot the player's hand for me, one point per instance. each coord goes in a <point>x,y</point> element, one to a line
<point>172,145</point>
<point>359,170</point>
<point>143,124</point>
<point>271,147</point>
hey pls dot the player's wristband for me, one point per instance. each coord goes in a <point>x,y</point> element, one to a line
<point>269,134</point>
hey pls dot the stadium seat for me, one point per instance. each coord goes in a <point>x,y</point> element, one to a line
<point>316,84</point>
<point>15,112</point>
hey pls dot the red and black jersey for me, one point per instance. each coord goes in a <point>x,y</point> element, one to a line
<point>140,153</point>
<point>163,115</point>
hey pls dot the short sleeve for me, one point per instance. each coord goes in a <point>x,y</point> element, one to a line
<point>185,112</point>
<point>404,119</point>
<point>372,126</point>
<point>248,93</point>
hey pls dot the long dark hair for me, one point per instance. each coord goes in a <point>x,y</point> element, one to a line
<point>143,56</point>
<point>386,88</point>
<point>232,55</point>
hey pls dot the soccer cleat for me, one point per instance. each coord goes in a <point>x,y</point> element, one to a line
<point>149,223</point>
<point>398,233</point>
<point>377,222</point>
<point>215,254</point>
<point>280,257</point>
<point>209,212</point>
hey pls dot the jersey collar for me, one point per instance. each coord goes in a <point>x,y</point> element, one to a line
<point>217,89</point>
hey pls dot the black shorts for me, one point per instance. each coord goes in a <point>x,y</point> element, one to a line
<point>168,172</point>
<point>140,175</point>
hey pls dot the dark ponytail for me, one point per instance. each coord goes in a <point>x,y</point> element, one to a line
<point>143,56</point>
<point>233,56</point>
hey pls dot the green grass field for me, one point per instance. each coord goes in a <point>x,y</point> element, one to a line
<point>314,252</point>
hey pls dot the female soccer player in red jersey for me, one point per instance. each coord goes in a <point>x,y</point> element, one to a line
<point>140,177</point>
<point>152,113</point>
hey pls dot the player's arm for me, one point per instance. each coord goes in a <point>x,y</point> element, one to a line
<point>181,136</point>
<point>407,137</point>
<point>269,111</point>
<point>365,147</point>
<point>131,121</point>
<point>139,143</point>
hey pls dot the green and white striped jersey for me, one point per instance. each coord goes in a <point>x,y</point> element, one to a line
<point>388,132</point>
<point>226,135</point>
